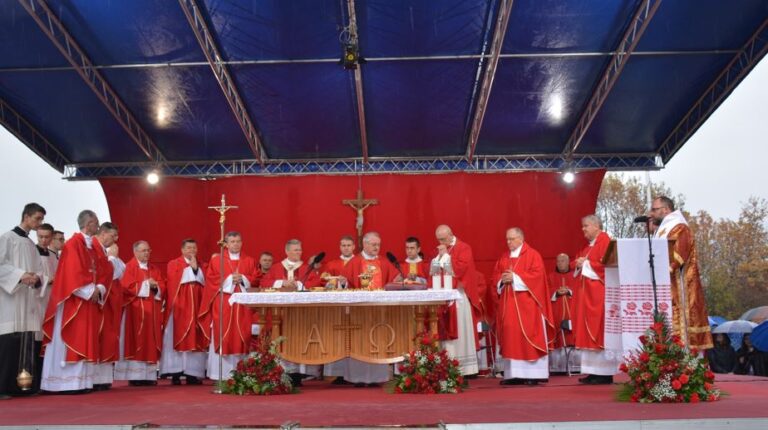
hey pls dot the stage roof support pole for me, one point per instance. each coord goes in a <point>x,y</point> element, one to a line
<point>358,83</point>
<point>629,40</point>
<point>502,22</point>
<point>205,38</point>
<point>736,70</point>
<point>50,24</point>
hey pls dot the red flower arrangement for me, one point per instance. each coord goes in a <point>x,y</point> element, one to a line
<point>260,373</point>
<point>663,370</point>
<point>428,369</point>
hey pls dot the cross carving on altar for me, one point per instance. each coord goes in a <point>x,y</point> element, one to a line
<point>359,204</point>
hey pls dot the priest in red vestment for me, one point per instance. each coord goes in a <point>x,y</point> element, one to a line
<point>459,320</point>
<point>365,270</point>
<point>238,275</point>
<point>291,274</point>
<point>589,324</point>
<point>562,286</point>
<point>335,267</point>
<point>143,289</point>
<point>331,272</point>
<point>184,345</point>
<point>71,325</point>
<point>524,314</point>
<point>415,268</point>
<point>109,332</point>
<point>690,320</point>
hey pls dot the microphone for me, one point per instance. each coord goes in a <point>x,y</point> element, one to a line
<point>392,259</point>
<point>311,265</point>
<point>641,218</point>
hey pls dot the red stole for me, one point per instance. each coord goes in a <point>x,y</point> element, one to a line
<point>183,302</point>
<point>522,332</point>
<point>81,319</point>
<point>143,315</point>
<point>236,318</point>
<point>589,326</point>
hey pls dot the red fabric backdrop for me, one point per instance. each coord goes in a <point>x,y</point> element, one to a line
<point>478,207</point>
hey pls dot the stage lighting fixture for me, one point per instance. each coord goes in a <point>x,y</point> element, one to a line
<point>351,57</point>
<point>568,177</point>
<point>153,177</point>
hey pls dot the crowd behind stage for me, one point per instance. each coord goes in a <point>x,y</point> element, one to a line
<point>77,318</point>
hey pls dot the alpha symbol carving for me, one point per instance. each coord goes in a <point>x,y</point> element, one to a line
<point>314,337</point>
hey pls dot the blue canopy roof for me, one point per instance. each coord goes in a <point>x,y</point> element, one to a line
<point>445,85</point>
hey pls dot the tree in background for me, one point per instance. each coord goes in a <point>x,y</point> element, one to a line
<point>733,255</point>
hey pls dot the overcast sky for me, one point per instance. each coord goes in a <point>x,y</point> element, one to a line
<point>718,169</point>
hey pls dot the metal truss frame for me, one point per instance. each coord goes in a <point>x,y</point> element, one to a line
<point>50,24</point>
<point>207,43</point>
<point>736,70</point>
<point>502,22</point>
<point>629,40</point>
<point>27,133</point>
<point>274,167</point>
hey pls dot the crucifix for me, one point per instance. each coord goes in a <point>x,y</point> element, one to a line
<point>359,204</point>
<point>222,210</point>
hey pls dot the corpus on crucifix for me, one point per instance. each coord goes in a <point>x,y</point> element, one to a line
<point>359,204</point>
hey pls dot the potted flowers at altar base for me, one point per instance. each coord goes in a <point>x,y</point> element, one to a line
<point>663,370</point>
<point>260,372</point>
<point>428,370</point>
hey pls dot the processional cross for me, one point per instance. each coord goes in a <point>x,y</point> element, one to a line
<point>359,204</point>
<point>222,210</point>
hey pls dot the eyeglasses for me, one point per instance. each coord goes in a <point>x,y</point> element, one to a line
<point>656,209</point>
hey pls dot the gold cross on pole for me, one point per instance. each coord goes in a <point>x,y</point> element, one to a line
<point>222,210</point>
<point>359,204</point>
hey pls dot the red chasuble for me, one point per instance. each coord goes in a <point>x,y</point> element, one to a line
<point>78,266</point>
<point>563,308</point>
<point>143,315</point>
<point>183,302</point>
<point>523,315</point>
<point>237,318</point>
<point>278,272</point>
<point>589,325</point>
<point>463,264</point>
<point>382,272</point>
<point>109,329</point>
<point>335,267</point>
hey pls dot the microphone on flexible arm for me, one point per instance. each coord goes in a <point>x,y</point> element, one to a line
<point>392,259</point>
<point>641,218</point>
<point>311,265</point>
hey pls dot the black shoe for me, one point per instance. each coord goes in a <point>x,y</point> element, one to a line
<point>340,381</point>
<point>597,380</point>
<point>72,392</point>
<point>133,383</point>
<point>373,384</point>
<point>360,385</point>
<point>511,381</point>
<point>150,383</point>
<point>472,376</point>
<point>530,382</point>
<point>296,379</point>
<point>193,380</point>
<point>101,387</point>
<point>176,380</point>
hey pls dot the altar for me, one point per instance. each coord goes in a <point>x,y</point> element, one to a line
<point>372,326</point>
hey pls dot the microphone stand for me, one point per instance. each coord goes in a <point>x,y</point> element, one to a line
<point>653,270</point>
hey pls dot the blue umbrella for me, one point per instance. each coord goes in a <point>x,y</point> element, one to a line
<point>759,336</point>
<point>716,321</point>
